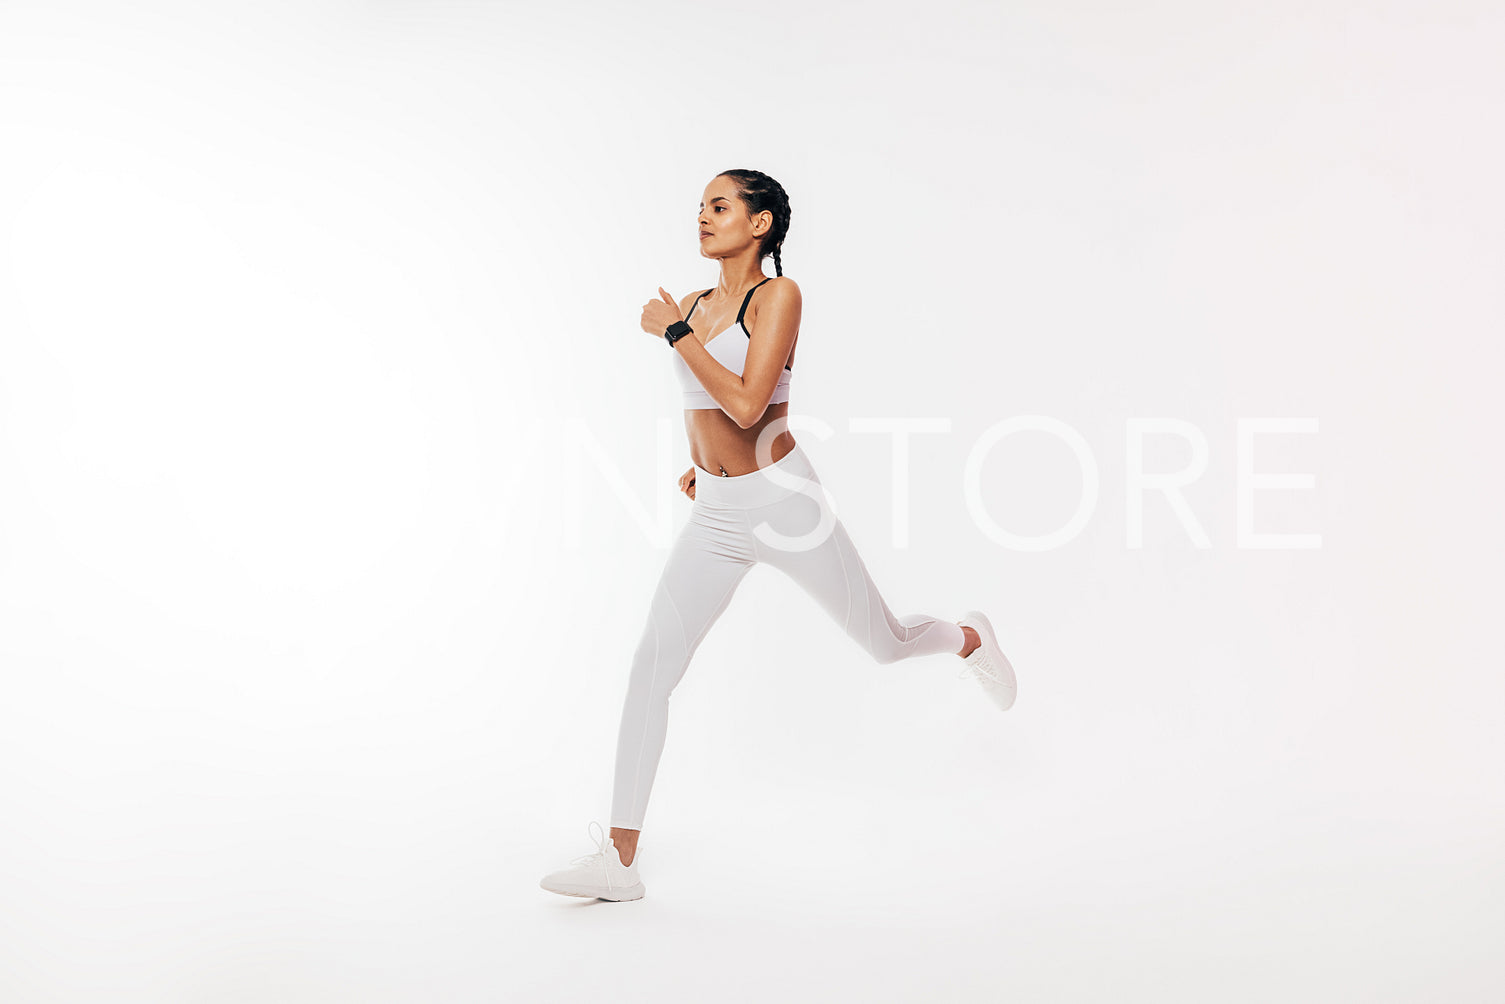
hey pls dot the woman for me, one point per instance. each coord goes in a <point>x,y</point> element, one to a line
<point>762,502</point>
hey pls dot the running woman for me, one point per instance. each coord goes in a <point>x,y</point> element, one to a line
<point>757,499</point>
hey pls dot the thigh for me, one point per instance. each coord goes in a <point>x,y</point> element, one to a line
<point>803,538</point>
<point>705,565</point>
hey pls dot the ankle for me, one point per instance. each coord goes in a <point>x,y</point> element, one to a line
<point>626,844</point>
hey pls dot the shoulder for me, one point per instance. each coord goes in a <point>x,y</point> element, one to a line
<point>780,289</point>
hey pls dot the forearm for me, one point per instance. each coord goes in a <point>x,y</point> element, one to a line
<point>724,386</point>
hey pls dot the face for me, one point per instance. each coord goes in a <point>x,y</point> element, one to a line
<point>723,217</point>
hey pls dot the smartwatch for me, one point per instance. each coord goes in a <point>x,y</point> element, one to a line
<point>676,331</point>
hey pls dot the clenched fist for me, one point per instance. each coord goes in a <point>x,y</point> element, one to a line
<point>659,314</point>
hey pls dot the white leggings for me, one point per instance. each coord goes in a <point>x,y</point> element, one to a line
<point>778,515</point>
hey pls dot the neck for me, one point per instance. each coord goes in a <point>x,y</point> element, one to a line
<point>739,281</point>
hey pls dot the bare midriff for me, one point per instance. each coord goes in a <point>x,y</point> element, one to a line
<point>717,443</point>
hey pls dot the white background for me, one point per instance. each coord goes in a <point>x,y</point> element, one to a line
<point>336,475</point>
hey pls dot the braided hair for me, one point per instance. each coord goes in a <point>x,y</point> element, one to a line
<point>759,192</point>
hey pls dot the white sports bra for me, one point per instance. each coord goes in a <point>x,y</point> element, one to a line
<point>730,351</point>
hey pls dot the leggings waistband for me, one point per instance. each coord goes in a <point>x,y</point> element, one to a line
<point>767,484</point>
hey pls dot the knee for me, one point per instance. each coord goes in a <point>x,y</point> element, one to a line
<point>655,671</point>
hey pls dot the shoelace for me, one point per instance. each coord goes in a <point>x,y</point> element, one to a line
<point>979,672</point>
<point>599,857</point>
<point>981,668</point>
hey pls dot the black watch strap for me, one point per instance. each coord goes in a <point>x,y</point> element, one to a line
<point>676,331</point>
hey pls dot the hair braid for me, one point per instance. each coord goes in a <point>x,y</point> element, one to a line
<point>759,192</point>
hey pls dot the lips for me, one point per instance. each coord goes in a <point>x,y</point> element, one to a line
<point>704,234</point>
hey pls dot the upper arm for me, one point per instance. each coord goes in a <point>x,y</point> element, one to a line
<point>777,325</point>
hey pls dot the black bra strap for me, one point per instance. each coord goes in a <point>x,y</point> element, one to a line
<point>745,301</point>
<point>693,303</point>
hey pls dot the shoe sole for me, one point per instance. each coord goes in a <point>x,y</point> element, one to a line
<point>1013,682</point>
<point>625,894</point>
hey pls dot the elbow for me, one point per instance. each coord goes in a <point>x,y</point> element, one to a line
<point>750,417</point>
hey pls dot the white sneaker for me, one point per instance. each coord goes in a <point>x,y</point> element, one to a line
<point>987,663</point>
<point>601,874</point>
